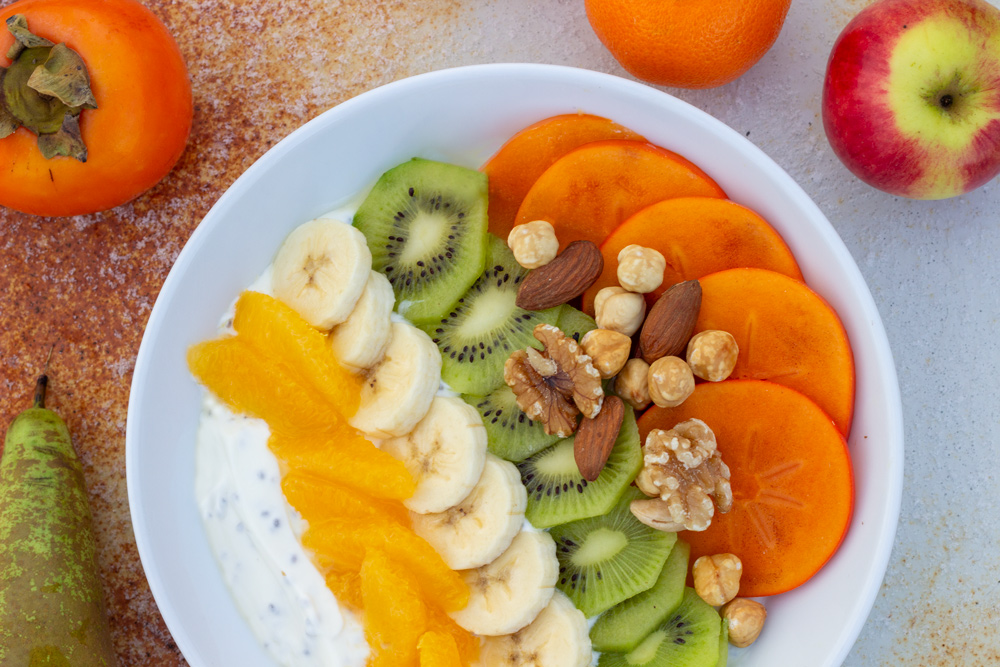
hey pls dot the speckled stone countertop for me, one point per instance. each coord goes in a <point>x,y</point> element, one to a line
<point>260,69</point>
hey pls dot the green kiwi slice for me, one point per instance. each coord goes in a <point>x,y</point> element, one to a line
<point>723,645</point>
<point>425,223</point>
<point>481,330</point>
<point>624,626</point>
<point>688,638</point>
<point>510,433</point>
<point>558,493</point>
<point>574,323</point>
<point>606,559</point>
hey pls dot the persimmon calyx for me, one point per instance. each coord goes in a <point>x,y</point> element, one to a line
<point>45,89</point>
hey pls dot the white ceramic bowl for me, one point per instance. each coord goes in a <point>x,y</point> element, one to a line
<point>463,115</point>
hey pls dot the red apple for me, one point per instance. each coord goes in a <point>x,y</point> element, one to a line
<point>911,101</point>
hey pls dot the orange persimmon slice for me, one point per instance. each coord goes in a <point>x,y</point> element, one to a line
<point>793,489</point>
<point>786,333</point>
<point>697,236</point>
<point>591,190</point>
<point>520,161</point>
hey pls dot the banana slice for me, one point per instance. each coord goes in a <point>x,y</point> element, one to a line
<point>398,392</point>
<point>508,593</point>
<point>321,270</point>
<point>445,454</point>
<point>360,341</point>
<point>556,638</point>
<point>478,529</point>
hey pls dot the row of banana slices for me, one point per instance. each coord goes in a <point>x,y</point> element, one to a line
<point>469,505</point>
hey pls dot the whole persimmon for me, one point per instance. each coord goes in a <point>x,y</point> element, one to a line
<point>687,43</point>
<point>95,107</point>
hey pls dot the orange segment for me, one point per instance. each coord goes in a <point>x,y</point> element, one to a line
<point>438,649</point>
<point>588,192</point>
<point>346,587</point>
<point>249,383</point>
<point>347,541</point>
<point>277,331</point>
<point>317,499</point>
<point>346,457</point>
<point>467,643</point>
<point>520,161</point>
<point>395,616</point>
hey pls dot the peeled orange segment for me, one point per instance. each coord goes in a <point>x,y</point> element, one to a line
<point>588,192</point>
<point>468,644</point>
<point>786,334</point>
<point>317,499</point>
<point>395,616</point>
<point>793,490</point>
<point>346,587</point>
<point>278,332</point>
<point>346,541</point>
<point>438,649</point>
<point>697,236</point>
<point>249,383</point>
<point>347,458</point>
<point>520,161</point>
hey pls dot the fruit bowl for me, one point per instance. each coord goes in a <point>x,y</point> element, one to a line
<point>463,115</point>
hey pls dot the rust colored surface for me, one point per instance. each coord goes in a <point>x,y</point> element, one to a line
<point>86,285</point>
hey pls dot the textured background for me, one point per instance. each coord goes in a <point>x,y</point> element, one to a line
<point>260,69</point>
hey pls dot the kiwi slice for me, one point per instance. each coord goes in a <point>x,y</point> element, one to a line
<point>574,323</point>
<point>606,559</point>
<point>425,223</point>
<point>625,625</point>
<point>510,433</point>
<point>558,493</point>
<point>481,330</point>
<point>723,645</point>
<point>688,638</point>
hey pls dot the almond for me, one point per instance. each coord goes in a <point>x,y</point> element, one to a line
<point>670,321</point>
<point>596,438</point>
<point>564,278</point>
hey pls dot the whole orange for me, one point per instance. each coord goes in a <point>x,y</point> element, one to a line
<point>687,43</point>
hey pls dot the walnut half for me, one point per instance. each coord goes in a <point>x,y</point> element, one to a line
<point>684,469</point>
<point>556,384</point>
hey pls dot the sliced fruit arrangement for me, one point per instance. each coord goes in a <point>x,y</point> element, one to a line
<point>424,534</point>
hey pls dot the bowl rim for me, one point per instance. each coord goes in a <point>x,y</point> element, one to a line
<point>893,416</point>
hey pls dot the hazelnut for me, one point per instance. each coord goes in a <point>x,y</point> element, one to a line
<point>712,354</point>
<point>670,381</point>
<point>608,350</point>
<point>619,310</point>
<point>534,244</point>
<point>640,269</point>
<point>746,620</point>
<point>717,578</point>
<point>632,383</point>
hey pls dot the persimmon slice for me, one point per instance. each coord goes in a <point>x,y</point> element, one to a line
<point>591,190</point>
<point>786,333</point>
<point>697,236</point>
<point>520,161</point>
<point>793,488</point>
